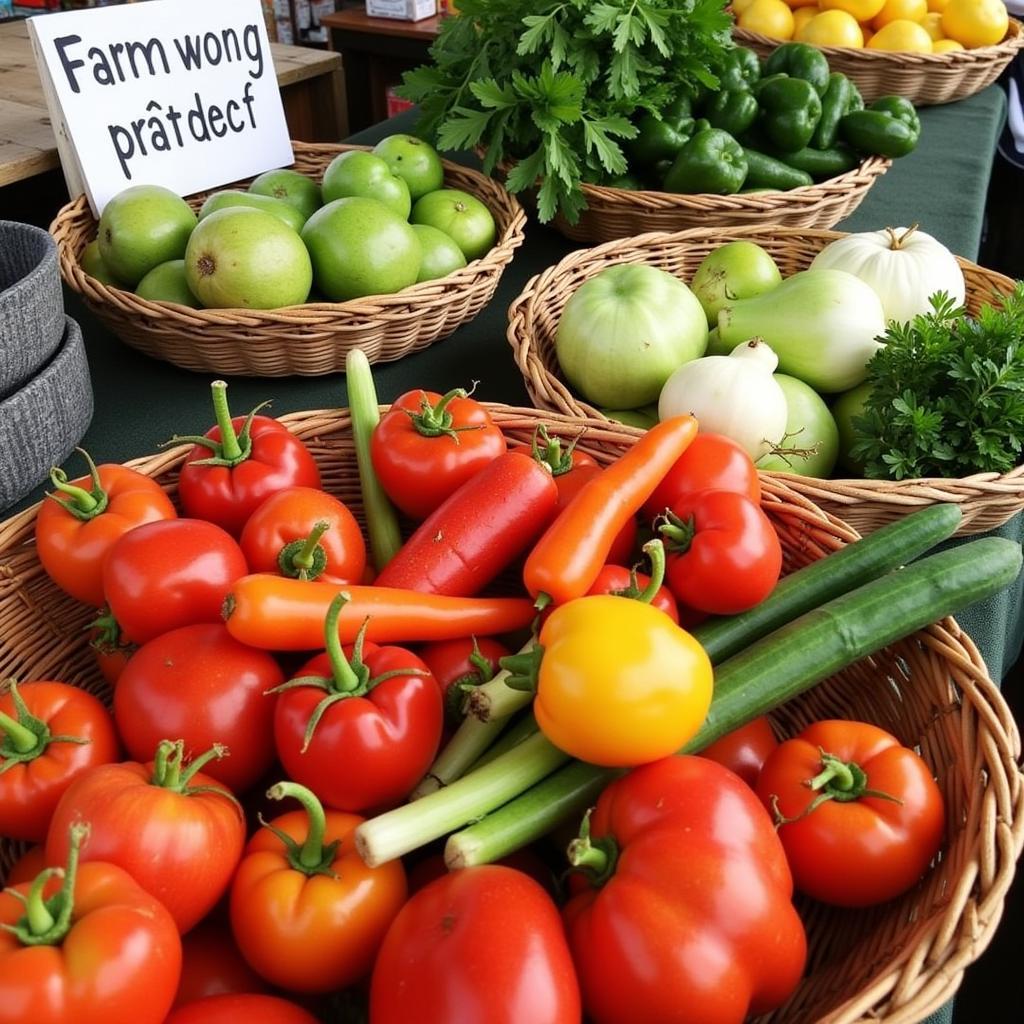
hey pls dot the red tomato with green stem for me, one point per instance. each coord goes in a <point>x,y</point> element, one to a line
<point>308,915</point>
<point>359,730</point>
<point>684,911</point>
<point>235,1009</point>
<point>176,831</point>
<point>239,463</point>
<point>50,733</point>
<point>456,664</point>
<point>201,684</point>
<point>427,445</point>
<point>859,815</point>
<point>623,582</point>
<point>94,948</point>
<point>79,522</point>
<point>744,750</point>
<point>723,554</point>
<point>166,575</point>
<point>482,943</point>
<point>211,965</point>
<point>306,534</point>
<point>109,647</point>
<point>712,463</point>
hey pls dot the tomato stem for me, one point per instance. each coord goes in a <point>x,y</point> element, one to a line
<point>347,677</point>
<point>82,504</point>
<point>596,858</point>
<point>230,449</point>
<point>305,559</point>
<point>436,420</point>
<point>170,772</point>
<point>22,739</point>
<point>655,551</point>
<point>26,737</point>
<point>233,447</point>
<point>557,459</point>
<point>108,637</point>
<point>677,533</point>
<point>312,857</point>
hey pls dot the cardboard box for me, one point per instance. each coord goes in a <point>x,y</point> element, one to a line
<point>403,10</point>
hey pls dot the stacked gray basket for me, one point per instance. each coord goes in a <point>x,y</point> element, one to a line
<point>45,392</point>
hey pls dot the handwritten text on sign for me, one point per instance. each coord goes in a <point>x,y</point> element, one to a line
<point>180,93</point>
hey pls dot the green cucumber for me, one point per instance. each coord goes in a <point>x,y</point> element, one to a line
<point>767,172</point>
<point>823,163</point>
<point>849,567</point>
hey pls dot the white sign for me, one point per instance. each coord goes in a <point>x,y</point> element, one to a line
<point>179,93</point>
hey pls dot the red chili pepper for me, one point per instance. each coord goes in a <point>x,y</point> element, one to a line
<point>490,520</point>
<point>279,614</point>
<point>239,463</point>
<point>566,560</point>
<point>623,582</point>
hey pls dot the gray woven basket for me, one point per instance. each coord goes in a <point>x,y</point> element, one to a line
<point>31,303</point>
<point>41,423</point>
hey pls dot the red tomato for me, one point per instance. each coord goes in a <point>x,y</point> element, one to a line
<point>306,911</point>
<point>470,661</point>
<point>177,832</point>
<point>166,575</point>
<point>427,445</point>
<point>116,960</point>
<point>77,526</point>
<point>862,817</point>
<point>211,965</point>
<point>744,750</point>
<point>623,582</point>
<point>723,553</point>
<point>201,684</point>
<point>239,463</point>
<point>241,1009</point>
<point>276,535</point>
<point>480,944</point>
<point>572,481</point>
<point>50,733</point>
<point>711,463</point>
<point>27,866</point>
<point>688,915</point>
<point>109,647</point>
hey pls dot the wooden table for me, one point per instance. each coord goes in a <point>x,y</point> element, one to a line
<point>311,84</point>
<point>375,52</point>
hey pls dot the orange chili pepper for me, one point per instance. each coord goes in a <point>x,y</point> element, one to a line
<point>279,614</point>
<point>566,560</point>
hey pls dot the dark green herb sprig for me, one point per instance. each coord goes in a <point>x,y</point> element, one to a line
<point>947,394</point>
<point>554,89</point>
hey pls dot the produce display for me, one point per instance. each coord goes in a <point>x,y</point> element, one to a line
<point>380,222</point>
<point>416,721</point>
<point>907,26</point>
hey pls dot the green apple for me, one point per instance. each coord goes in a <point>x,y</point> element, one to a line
<point>360,247</point>
<point>290,187</point>
<point>415,160</point>
<point>460,216</point>
<point>167,283</point>
<point>357,173</point>
<point>92,263</point>
<point>245,258</point>
<point>142,227</point>
<point>847,406</point>
<point>440,253</point>
<point>284,212</point>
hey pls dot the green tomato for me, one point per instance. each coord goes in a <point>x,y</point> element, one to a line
<point>624,332</point>
<point>809,424</point>
<point>92,263</point>
<point>414,160</point>
<point>736,270</point>
<point>440,253</point>
<point>284,212</point>
<point>167,283</point>
<point>355,173</point>
<point>644,418</point>
<point>460,216</point>
<point>848,405</point>
<point>290,187</point>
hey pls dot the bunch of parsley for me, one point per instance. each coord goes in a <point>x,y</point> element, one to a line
<point>947,394</point>
<point>552,84</point>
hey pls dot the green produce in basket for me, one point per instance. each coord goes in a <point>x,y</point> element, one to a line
<point>92,263</point>
<point>733,111</point>
<point>736,270</point>
<point>290,187</point>
<point>822,163</point>
<point>461,216</point>
<point>834,105</point>
<point>847,406</point>
<point>441,255</point>
<point>356,173</point>
<point>414,160</point>
<point>791,109</point>
<point>167,283</point>
<point>711,162</point>
<point>765,171</point>
<point>661,138</point>
<point>284,212</point>
<point>800,60</point>
<point>740,69</point>
<point>889,127</point>
<point>644,418</point>
<point>811,442</point>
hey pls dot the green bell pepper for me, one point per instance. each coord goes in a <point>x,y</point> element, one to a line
<point>712,162</point>
<point>626,181</point>
<point>834,105</point>
<point>733,111</point>
<point>740,70</point>
<point>790,109</point>
<point>800,60</point>
<point>765,171</point>
<point>662,139</point>
<point>823,163</point>
<point>889,127</point>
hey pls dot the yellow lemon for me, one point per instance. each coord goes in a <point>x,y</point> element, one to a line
<point>866,31</point>
<point>799,4</point>
<point>902,36</point>
<point>932,24</point>
<point>937,5</point>
<point>770,18</point>
<point>862,10</point>
<point>900,10</point>
<point>800,18</point>
<point>946,46</point>
<point>975,22</point>
<point>832,28</point>
<point>739,6</point>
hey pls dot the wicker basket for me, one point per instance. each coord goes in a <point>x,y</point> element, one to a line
<point>924,78</point>
<point>893,963</point>
<point>311,339</point>
<point>987,500</point>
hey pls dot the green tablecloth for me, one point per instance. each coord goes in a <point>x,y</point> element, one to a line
<point>141,402</point>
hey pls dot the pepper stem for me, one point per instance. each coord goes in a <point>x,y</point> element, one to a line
<point>305,559</point>
<point>436,420</point>
<point>345,675</point>
<point>523,669</point>
<point>596,858</point>
<point>82,504</point>
<point>312,857</point>
<point>677,533</point>
<point>655,552</point>
<point>230,449</point>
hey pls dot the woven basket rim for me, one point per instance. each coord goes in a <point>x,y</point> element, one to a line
<point>957,60</point>
<point>509,239</point>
